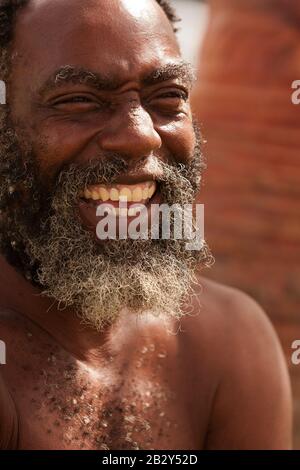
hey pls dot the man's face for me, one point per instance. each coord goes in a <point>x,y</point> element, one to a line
<point>98,100</point>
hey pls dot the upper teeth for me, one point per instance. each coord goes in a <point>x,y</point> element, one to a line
<point>132,193</point>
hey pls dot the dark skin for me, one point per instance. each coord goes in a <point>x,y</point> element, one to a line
<point>221,381</point>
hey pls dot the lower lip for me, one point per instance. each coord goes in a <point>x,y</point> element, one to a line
<point>88,211</point>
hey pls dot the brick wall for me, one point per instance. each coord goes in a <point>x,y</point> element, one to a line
<point>250,57</point>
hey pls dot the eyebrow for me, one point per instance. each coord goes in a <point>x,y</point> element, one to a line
<point>69,74</point>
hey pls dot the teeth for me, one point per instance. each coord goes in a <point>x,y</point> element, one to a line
<point>152,190</point>
<point>104,195</point>
<point>95,196</point>
<point>114,195</point>
<point>137,193</point>
<point>126,193</point>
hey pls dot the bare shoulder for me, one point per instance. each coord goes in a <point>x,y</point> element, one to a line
<point>231,316</point>
<point>253,394</point>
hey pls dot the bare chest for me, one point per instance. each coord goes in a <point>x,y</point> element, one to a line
<point>135,405</point>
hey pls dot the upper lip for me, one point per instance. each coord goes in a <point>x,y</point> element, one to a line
<point>134,179</point>
<point>143,172</point>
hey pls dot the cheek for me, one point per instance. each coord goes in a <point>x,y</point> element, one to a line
<point>48,156</point>
<point>55,147</point>
<point>39,146</point>
<point>180,140</point>
<point>52,154</point>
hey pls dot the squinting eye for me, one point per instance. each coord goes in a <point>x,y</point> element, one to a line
<point>78,104</point>
<point>75,99</point>
<point>80,99</point>
<point>170,102</point>
<point>175,94</point>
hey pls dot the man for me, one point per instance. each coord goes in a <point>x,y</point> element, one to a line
<point>115,344</point>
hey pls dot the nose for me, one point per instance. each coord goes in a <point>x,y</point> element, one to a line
<point>131,133</point>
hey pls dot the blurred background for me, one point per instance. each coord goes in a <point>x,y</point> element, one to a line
<point>248,54</point>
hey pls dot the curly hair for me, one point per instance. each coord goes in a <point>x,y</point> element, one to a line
<point>9,10</point>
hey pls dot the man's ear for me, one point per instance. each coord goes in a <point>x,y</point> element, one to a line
<point>2,93</point>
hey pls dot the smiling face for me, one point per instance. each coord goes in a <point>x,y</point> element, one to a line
<point>92,77</point>
<point>98,107</point>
